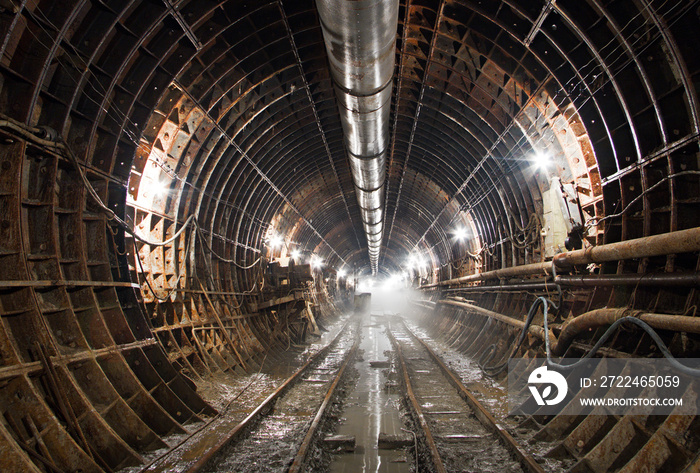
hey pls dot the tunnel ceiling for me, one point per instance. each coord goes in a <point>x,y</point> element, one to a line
<point>226,110</point>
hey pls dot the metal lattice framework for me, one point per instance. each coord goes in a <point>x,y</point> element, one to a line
<point>225,111</point>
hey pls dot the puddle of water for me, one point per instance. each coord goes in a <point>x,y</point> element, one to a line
<point>371,409</point>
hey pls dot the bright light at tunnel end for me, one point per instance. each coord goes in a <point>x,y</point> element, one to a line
<point>365,285</point>
<point>395,281</point>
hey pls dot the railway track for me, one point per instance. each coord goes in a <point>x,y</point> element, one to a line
<point>458,432</point>
<point>204,448</point>
<point>278,434</point>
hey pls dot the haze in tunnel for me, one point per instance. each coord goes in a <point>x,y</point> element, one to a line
<point>188,187</point>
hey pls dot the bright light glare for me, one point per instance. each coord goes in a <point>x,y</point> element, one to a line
<point>541,159</point>
<point>316,262</point>
<point>365,285</point>
<point>296,254</point>
<point>460,233</point>
<point>276,241</point>
<point>341,273</point>
<point>394,281</point>
<point>159,188</point>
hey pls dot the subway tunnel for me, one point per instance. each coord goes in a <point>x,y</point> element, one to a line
<point>192,191</point>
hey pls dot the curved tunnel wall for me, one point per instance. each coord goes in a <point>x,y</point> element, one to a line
<point>226,110</point>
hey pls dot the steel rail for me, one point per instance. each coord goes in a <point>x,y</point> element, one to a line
<point>429,440</point>
<point>264,406</point>
<point>482,414</point>
<point>303,452</point>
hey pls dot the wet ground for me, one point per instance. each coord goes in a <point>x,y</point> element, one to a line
<point>234,396</point>
<point>274,441</point>
<point>463,443</point>
<point>369,403</point>
<point>492,393</point>
<point>372,407</point>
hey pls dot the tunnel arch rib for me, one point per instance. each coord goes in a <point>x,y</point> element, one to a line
<point>219,119</point>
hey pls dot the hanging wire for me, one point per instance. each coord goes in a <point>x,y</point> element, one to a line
<point>120,116</point>
<point>597,221</point>
<point>63,148</point>
<point>175,286</point>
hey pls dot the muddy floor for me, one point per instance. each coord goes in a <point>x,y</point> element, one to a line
<point>234,396</point>
<point>369,403</point>
<point>372,407</point>
<point>273,441</point>
<point>492,393</point>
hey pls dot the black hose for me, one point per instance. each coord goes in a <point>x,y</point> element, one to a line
<point>492,371</point>
<point>489,353</point>
<point>640,323</point>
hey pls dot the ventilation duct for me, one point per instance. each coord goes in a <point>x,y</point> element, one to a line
<point>360,39</point>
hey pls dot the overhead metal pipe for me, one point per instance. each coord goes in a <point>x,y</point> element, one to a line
<point>360,38</point>
<point>681,241</point>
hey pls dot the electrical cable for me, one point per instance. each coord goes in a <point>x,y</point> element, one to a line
<point>30,133</point>
<point>618,35</point>
<point>608,333</point>
<point>597,221</point>
<point>489,353</point>
<point>483,195</point>
<point>219,257</point>
<point>131,134</point>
